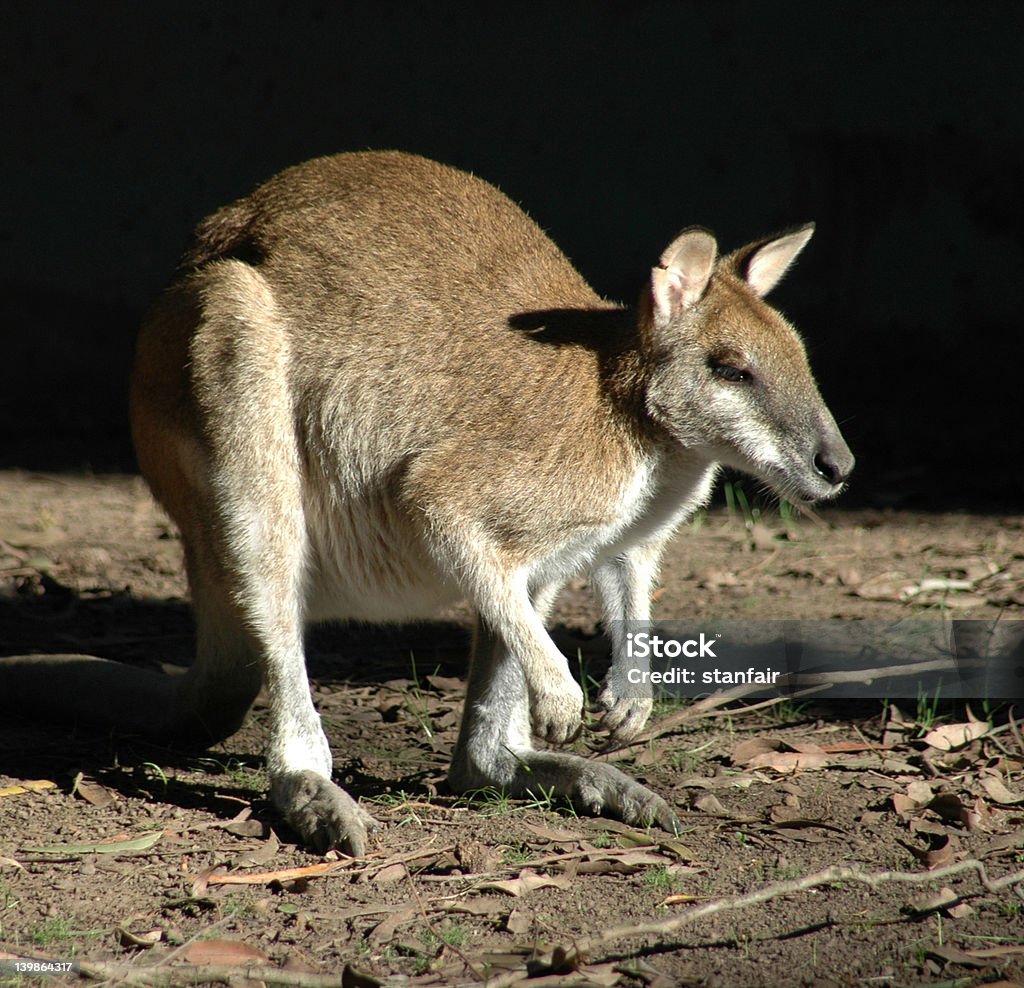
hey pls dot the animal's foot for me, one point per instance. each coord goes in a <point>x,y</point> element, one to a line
<point>556,711</point>
<point>591,786</point>
<point>322,814</point>
<point>624,716</point>
<point>603,790</point>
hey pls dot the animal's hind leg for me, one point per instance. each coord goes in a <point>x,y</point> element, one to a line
<point>249,609</point>
<point>494,748</point>
<point>247,549</point>
<point>213,697</point>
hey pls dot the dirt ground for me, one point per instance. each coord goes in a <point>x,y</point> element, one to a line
<point>162,867</point>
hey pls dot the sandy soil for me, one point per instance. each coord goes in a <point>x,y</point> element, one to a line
<point>459,891</point>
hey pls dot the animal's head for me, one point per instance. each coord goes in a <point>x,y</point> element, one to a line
<point>729,374</point>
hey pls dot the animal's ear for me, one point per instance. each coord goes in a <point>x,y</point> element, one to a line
<point>763,265</point>
<point>686,266</point>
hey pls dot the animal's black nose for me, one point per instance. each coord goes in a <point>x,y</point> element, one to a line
<point>834,464</point>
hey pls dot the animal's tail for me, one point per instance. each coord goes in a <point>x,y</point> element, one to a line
<point>85,688</point>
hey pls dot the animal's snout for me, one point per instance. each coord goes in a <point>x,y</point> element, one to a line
<point>833,461</point>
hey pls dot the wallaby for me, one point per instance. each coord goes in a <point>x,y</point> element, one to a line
<point>376,388</point>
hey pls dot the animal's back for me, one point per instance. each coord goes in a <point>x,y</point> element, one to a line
<point>392,231</point>
<point>369,302</point>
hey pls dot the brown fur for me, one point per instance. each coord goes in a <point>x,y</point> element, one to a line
<point>377,387</point>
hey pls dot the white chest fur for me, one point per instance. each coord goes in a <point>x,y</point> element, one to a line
<point>661,495</point>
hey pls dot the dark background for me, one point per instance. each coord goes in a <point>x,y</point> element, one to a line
<point>898,127</point>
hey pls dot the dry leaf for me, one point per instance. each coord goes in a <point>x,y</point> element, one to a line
<point>950,736</point>
<point>387,927</point>
<point>952,955</point>
<point>982,957</point>
<point>762,537</point>
<point>528,881</point>
<point>519,922</point>
<point>960,911</point>
<point>201,883</point>
<point>646,973</point>
<point>744,781</point>
<point>920,825</point>
<point>678,899</point>
<point>399,685</point>
<point>112,845</point>
<point>853,747</point>
<point>787,813</point>
<point>917,797</point>
<point>446,683</point>
<point>752,747</point>
<point>903,804</point>
<point>1002,845</point>
<point>389,874</point>
<point>36,785</point>
<point>712,806</point>
<point>351,978</point>
<point>627,836</point>
<point>998,953</point>
<point>999,793</point>
<point>980,817</point>
<point>223,952</point>
<point>790,761</point>
<point>920,792</point>
<point>554,835</point>
<point>942,899</point>
<point>940,851</point>
<point>623,862</point>
<point>635,838</point>
<point>849,576</point>
<point>675,847</point>
<point>793,818</point>
<point>260,855</point>
<point>92,792</point>
<point>127,938</point>
<point>284,875</point>
<point>760,753</point>
<point>246,828</point>
<point>478,905</point>
<point>941,854</point>
<point>935,584</point>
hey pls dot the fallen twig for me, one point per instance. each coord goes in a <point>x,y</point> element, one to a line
<point>195,974</point>
<point>565,959</point>
<point>708,707</point>
<point>810,682</point>
<point>282,875</point>
<point>1015,727</point>
<point>836,873</point>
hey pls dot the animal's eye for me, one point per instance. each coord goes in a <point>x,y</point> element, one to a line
<point>730,372</point>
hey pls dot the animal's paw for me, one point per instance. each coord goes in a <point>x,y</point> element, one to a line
<point>322,814</point>
<point>624,716</point>
<point>556,712</point>
<point>603,790</point>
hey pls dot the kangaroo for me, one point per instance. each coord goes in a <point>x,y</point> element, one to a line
<point>377,388</point>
